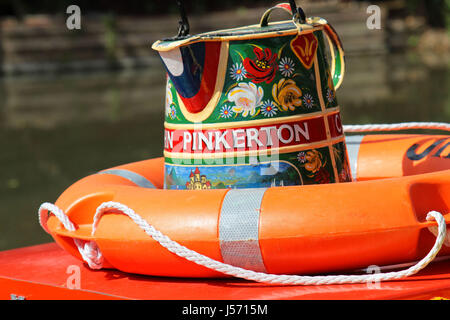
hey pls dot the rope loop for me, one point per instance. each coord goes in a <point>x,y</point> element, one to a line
<point>91,253</point>
<point>46,208</point>
<point>89,250</point>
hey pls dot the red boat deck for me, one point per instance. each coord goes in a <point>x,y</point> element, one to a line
<point>47,272</point>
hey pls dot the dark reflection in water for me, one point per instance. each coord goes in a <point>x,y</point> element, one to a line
<point>55,130</point>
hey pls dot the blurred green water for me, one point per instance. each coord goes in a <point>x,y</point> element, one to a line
<point>57,129</point>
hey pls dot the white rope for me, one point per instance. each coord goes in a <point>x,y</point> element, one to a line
<point>57,212</point>
<point>88,249</point>
<point>397,126</point>
<point>205,261</point>
<point>92,255</point>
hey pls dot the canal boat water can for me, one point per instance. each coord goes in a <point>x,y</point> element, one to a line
<point>254,106</point>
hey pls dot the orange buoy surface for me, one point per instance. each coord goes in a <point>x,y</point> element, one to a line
<point>380,218</point>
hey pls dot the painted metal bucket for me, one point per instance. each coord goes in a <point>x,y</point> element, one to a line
<point>254,106</point>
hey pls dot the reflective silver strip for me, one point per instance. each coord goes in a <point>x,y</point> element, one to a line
<point>239,228</point>
<point>353,143</point>
<point>130,175</point>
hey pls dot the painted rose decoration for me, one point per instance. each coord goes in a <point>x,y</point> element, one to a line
<point>287,95</point>
<point>246,97</point>
<point>313,161</point>
<point>322,176</point>
<point>263,68</point>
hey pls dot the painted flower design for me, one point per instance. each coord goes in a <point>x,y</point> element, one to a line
<point>344,175</point>
<point>301,157</point>
<point>226,112</point>
<point>322,176</point>
<point>237,72</point>
<point>173,112</point>
<point>336,152</point>
<point>308,101</point>
<point>263,67</point>
<point>313,161</point>
<point>330,95</point>
<point>286,66</point>
<point>169,99</point>
<point>269,109</point>
<point>246,96</point>
<point>286,94</point>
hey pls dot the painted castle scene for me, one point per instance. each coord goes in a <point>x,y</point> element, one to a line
<point>232,177</point>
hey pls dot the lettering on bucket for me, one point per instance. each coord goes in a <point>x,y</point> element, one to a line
<point>230,140</point>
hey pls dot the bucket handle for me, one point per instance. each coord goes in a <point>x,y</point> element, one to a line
<point>290,7</point>
<point>335,44</point>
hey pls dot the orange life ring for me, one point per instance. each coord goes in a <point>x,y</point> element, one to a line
<point>377,219</point>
